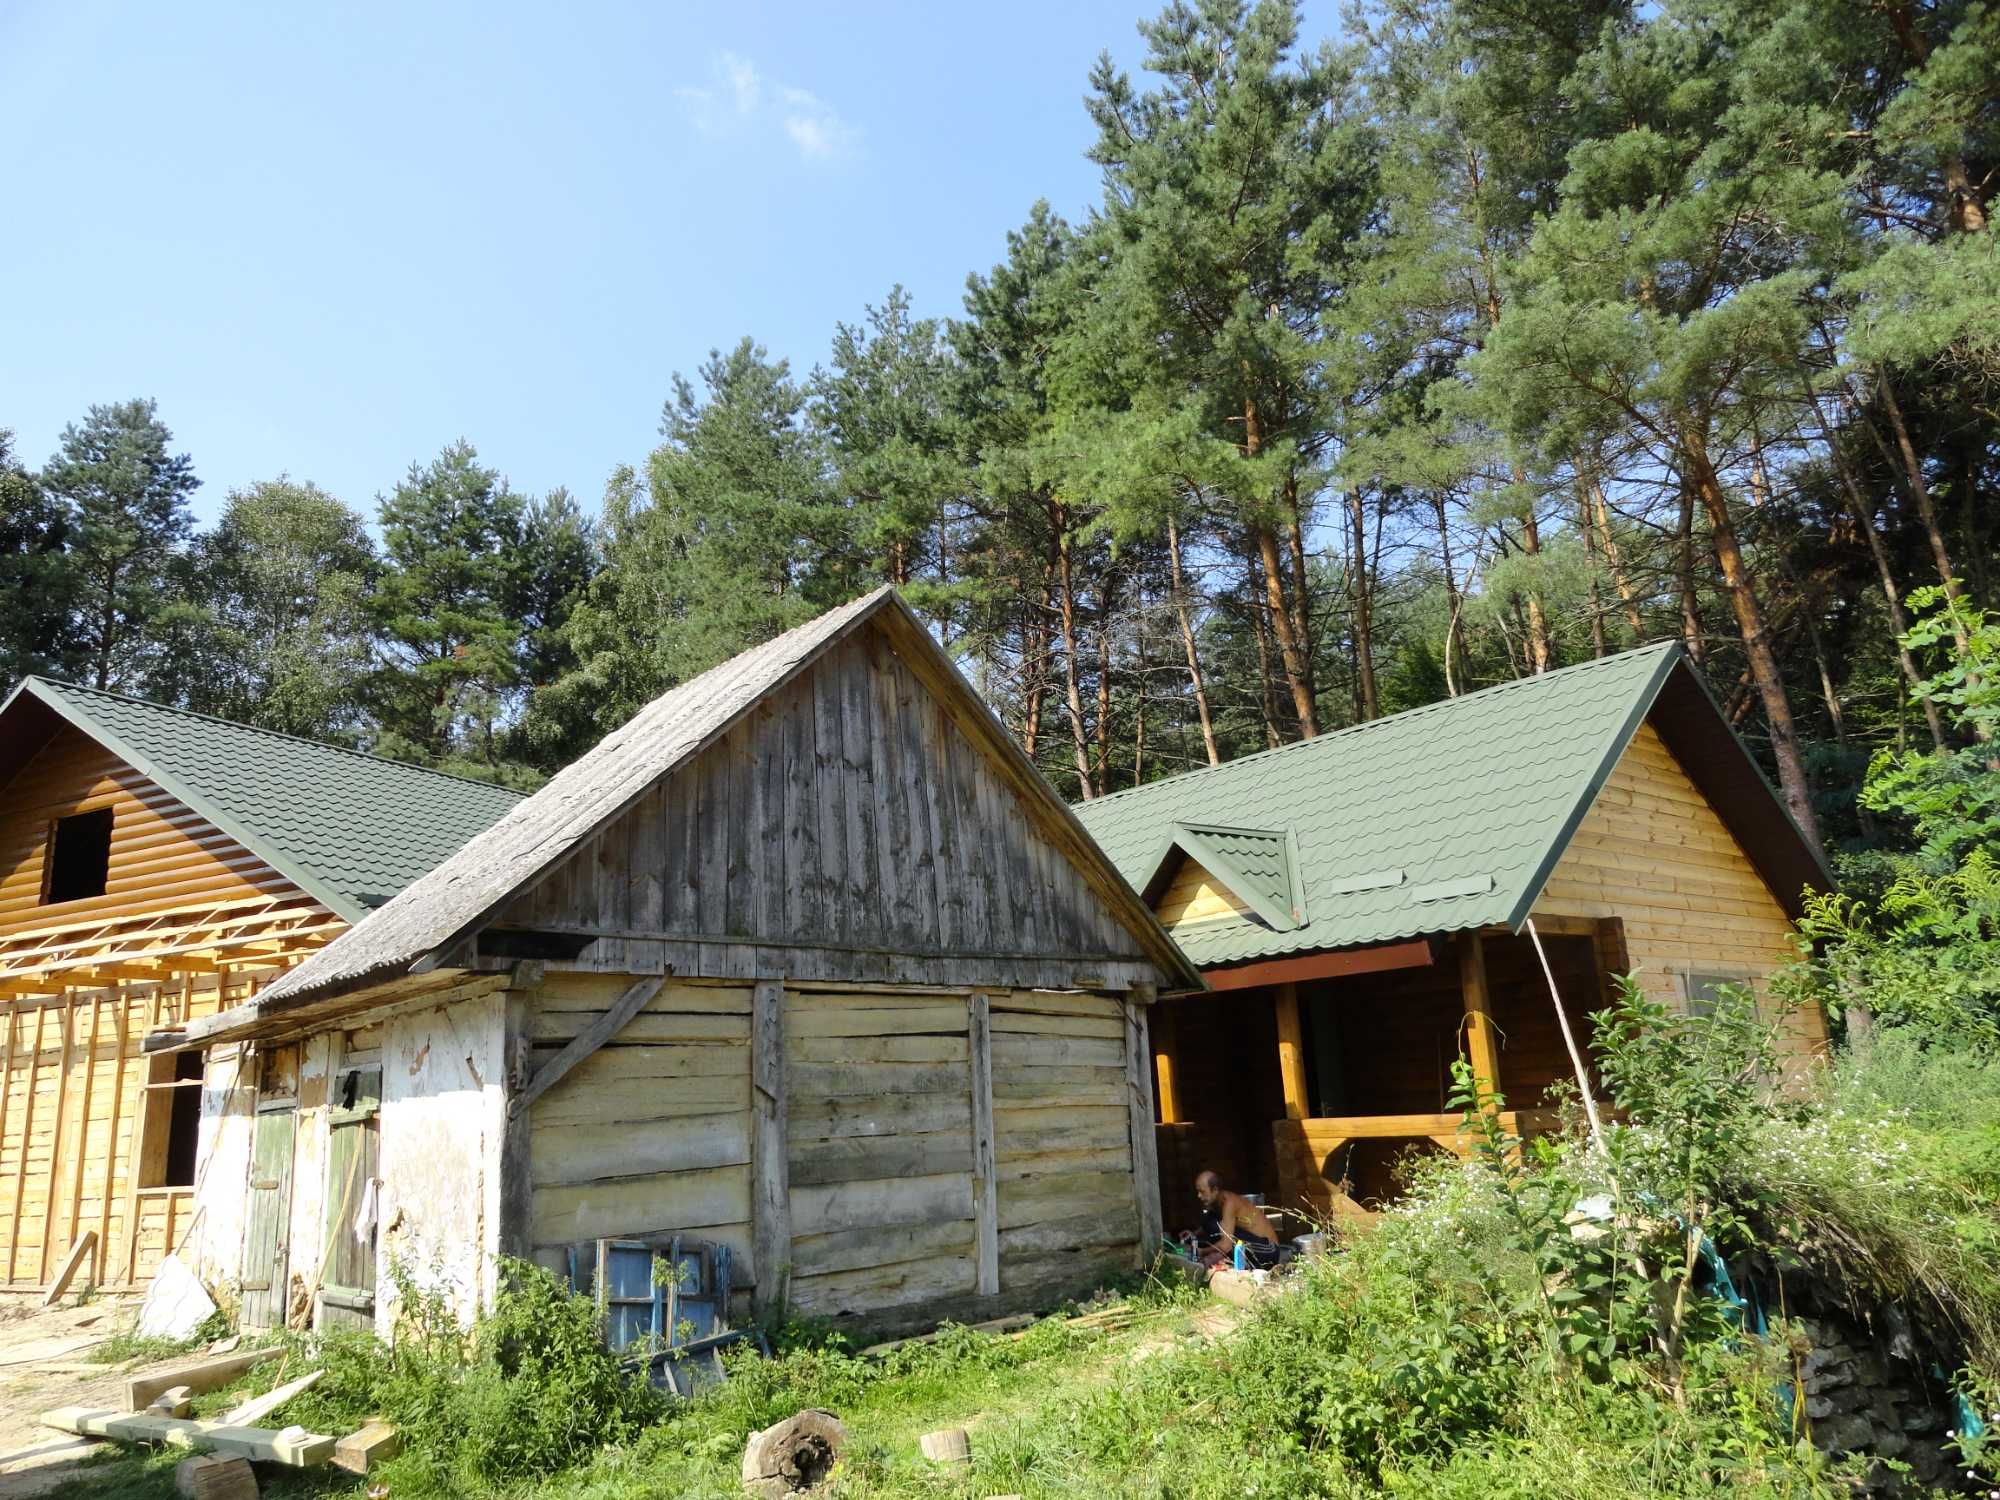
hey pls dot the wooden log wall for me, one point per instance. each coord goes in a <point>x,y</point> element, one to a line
<point>846,831</point>
<point>73,1087</point>
<point>941,1149</point>
<point>652,1131</point>
<point>163,855</point>
<point>1652,852</point>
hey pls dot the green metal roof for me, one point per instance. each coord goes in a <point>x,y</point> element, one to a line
<point>1445,817</point>
<point>349,829</point>
<point>1257,865</point>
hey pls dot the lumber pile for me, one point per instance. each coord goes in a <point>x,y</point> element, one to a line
<point>292,1446</point>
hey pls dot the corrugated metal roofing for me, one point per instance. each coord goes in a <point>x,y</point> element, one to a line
<point>1255,864</point>
<point>1442,818</point>
<point>349,829</point>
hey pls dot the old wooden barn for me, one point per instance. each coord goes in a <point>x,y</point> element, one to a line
<point>158,866</point>
<point>1359,904</point>
<point>804,979</point>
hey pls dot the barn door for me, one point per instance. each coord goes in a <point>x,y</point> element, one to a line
<point>354,1154</point>
<point>267,1226</point>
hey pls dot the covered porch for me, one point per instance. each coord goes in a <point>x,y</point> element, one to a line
<point>1307,1079</point>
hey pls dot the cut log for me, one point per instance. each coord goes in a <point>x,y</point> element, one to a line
<point>66,1272</point>
<point>207,1477</point>
<point>253,1411</point>
<point>948,1445</point>
<point>198,1376</point>
<point>374,1441</point>
<point>795,1454</point>
<point>293,1445</point>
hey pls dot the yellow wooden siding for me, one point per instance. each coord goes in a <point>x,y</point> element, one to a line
<point>163,854</point>
<point>72,1106</point>
<point>1652,852</point>
<point>1196,896</point>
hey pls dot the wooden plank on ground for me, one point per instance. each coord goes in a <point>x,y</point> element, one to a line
<point>65,1272</point>
<point>292,1446</point>
<point>253,1411</point>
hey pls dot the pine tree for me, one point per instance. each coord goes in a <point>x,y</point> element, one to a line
<point>123,498</point>
<point>33,570</point>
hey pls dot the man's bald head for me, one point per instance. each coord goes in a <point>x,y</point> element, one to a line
<point>1208,1187</point>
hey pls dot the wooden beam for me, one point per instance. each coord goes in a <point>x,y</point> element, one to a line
<point>985,1171</point>
<point>293,1446</point>
<point>1164,1024</point>
<point>66,1272</point>
<point>1291,1051</point>
<point>83,1123</point>
<point>103,1268</point>
<point>1414,953</point>
<point>198,1375</point>
<point>1482,1040</point>
<point>49,1192</point>
<point>771,1189</point>
<point>21,1159</point>
<point>593,1036</point>
<point>1139,1106</point>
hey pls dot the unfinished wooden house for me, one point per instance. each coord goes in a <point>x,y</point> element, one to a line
<point>157,866</point>
<point>803,982</point>
<point>1359,906</point>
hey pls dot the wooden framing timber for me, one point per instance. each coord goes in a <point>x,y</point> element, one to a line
<point>1334,964</point>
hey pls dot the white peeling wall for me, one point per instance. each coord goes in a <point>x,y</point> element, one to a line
<point>443,1100</point>
<point>214,1245</point>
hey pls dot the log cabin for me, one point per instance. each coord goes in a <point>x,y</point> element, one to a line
<point>1360,906</point>
<point>157,866</point>
<point>803,987</point>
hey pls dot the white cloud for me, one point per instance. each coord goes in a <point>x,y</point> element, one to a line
<point>737,98</point>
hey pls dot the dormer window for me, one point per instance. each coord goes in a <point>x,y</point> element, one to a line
<point>79,856</point>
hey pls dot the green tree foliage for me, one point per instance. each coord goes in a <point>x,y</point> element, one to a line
<point>123,499</point>
<point>281,632</point>
<point>451,535</point>
<point>33,569</point>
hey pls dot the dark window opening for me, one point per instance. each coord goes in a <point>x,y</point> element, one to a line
<point>79,856</point>
<point>171,1130</point>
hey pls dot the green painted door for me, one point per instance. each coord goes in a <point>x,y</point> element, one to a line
<point>267,1225</point>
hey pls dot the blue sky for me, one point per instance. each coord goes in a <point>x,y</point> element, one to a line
<point>331,240</point>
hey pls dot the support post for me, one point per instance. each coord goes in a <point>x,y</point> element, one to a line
<point>1139,1098</point>
<point>985,1171</point>
<point>1291,1050</point>
<point>1482,1041</point>
<point>771,1194</point>
<point>1164,1025</point>
<point>517,1127</point>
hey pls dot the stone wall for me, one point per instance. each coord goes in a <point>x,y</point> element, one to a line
<point>1868,1392</point>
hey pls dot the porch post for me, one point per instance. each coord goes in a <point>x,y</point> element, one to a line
<point>1291,1051</point>
<point>1165,1024</point>
<point>1482,1044</point>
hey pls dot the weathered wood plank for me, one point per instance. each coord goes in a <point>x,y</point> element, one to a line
<point>881,1049</point>
<point>856,1021</point>
<point>985,1177</point>
<point>588,1041</point>
<point>864,1158</point>
<point>831,1080</point>
<point>644,1028</point>
<point>571,1153</point>
<point>1033,1199</point>
<point>771,1205</point>
<point>1110,1027</point>
<point>877,1114</point>
<point>875,1287</point>
<point>856,1205</point>
<point>642,1205</point>
<point>1014,1050</point>
<point>1144,1143</point>
<point>879,1245</point>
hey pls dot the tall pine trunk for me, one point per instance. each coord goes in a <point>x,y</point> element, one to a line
<point>1762,660</point>
<point>1072,691</point>
<point>1293,655</point>
<point>1184,617</point>
<point>1364,608</point>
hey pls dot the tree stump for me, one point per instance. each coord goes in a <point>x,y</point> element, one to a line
<point>794,1456</point>
<point>949,1445</point>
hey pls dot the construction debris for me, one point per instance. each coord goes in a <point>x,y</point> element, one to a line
<point>253,1411</point>
<point>66,1272</point>
<point>373,1442</point>
<point>794,1455</point>
<point>174,1401</point>
<point>949,1445</point>
<point>207,1477</point>
<point>176,1303</point>
<point>198,1376</point>
<point>291,1445</point>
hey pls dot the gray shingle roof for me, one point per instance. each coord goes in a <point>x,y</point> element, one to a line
<point>349,829</point>
<point>1445,817</point>
<point>459,894</point>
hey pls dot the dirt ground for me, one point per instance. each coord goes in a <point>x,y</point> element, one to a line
<point>45,1362</point>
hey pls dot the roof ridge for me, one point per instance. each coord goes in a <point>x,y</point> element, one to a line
<point>276,734</point>
<point>1652,648</point>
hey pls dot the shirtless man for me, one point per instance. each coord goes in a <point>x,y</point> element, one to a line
<point>1229,1218</point>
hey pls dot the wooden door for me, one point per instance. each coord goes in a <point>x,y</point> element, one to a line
<point>267,1225</point>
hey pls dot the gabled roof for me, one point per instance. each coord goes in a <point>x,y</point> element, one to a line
<point>415,932</point>
<point>1452,816</point>
<point>1255,865</point>
<point>351,830</point>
